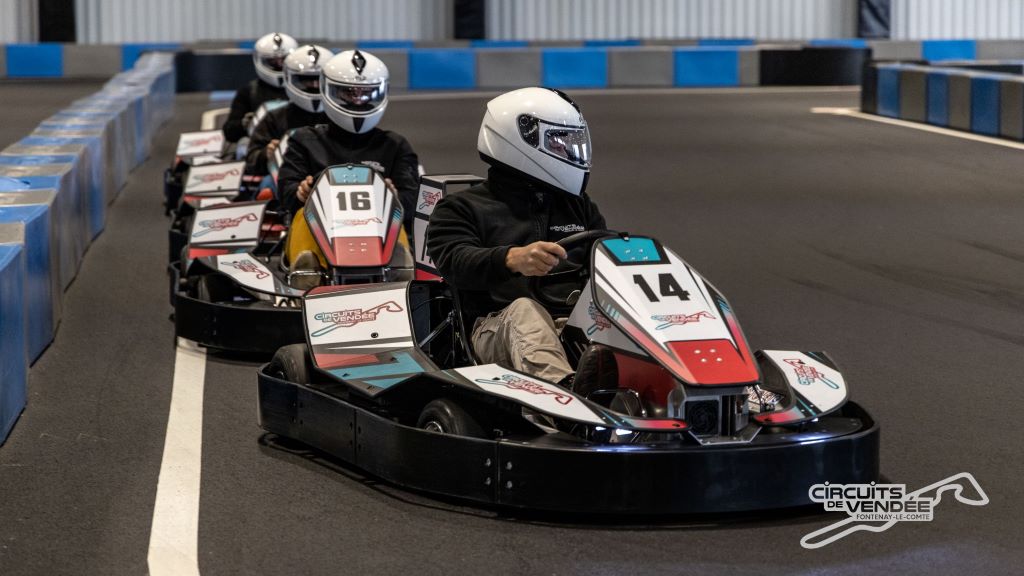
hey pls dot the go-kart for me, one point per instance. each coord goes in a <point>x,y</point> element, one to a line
<point>194,149</point>
<point>232,290</point>
<point>698,422</point>
<point>203,186</point>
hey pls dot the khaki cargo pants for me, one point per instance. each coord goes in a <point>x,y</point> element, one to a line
<point>522,336</point>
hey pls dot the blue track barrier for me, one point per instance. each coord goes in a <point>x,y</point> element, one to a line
<point>54,188</point>
<point>35,60</point>
<point>442,68</point>
<point>938,98</point>
<point>889,92</point>
<point>574,67</point>
<point>69,206</point>
<point>937,50</point>
<point>30,227</point>
<point>985,105</point>
<point>94,197</point>
<point>13,356</point>
<point>696,66</point>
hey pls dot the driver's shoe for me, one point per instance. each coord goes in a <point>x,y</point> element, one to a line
<point>597,370</point>
<point>305,272</point>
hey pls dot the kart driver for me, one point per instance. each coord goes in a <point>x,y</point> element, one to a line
<point>268,55</point>
<point>354,89</point>
<point>486,240</point>
<point>302,84</point>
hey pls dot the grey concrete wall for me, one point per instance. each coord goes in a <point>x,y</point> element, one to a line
<point>397,62</point>
<point>913,95</point>
<point>98,60</point>
<point>1011,109</point>
<point>750,68</point>
<point>649,66</point>
<point>1000,50</point>
<point>512,68</point>
<point>895,50</point>
<point>960,102</point>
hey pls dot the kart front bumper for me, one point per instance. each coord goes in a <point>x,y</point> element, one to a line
<point>555,474</point>
<point>246,328</point>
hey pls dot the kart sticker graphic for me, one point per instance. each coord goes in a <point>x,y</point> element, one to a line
<point>219,224</point>
<point>249,266</point>
<point>215,176</point>
<point>200,142</point>
<point>601,322</point>
<point>517,383</point>
<point>669,320</point>
<point>349,318</point>
<point>807,374</point>
<point>358,222</point>
<point>430,198</point>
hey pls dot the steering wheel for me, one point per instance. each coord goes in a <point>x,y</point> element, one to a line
<point>567,271</point>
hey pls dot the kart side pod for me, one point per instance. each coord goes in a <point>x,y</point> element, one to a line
<point>432,189</point>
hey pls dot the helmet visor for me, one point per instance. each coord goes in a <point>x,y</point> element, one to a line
<point>275,63</point>
<point>357,99</point>
<point>569,144</point>
<point>306,83</point>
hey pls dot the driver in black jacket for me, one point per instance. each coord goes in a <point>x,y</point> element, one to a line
<point>354,91</point>
<point>304,108</point>
<point>268,57</point>
<point>487,240</point>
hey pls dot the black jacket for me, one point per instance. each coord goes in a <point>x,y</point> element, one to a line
<point>274,126</point>
<point>248,99</point>
<point>471,232</point>
<point>314,148</point>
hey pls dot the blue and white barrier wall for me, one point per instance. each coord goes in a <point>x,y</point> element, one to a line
<point>55,185</point>
<point>986,103</point>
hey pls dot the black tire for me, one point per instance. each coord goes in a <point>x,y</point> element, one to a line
<point>292,363</point>
<point>444,416</point>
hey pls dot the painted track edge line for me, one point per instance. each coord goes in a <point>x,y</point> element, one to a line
<point>854,113</point>
<point>174,534</point>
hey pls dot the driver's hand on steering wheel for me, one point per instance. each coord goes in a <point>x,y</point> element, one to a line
<point>535,259</point>
<point>305,187</point>
<point>271,146</point>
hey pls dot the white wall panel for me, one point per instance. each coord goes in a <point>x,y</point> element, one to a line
<point>118,21</point>
<point>650,19</point>
<point>18,21</point>
<point>974,19</point>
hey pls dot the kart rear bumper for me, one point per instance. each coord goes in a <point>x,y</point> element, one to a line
<point>558,475</point>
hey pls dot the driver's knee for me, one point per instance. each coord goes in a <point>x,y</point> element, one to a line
<point>528,311</point>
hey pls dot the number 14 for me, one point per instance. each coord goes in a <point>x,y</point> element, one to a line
<point>667,285</point>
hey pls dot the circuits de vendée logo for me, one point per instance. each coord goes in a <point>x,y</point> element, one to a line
<point>878,507</point>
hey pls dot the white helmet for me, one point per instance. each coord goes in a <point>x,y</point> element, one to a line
<point>354,87</point>
<point>541,133</point>
<point>302,76</point>
<point>268,55</point>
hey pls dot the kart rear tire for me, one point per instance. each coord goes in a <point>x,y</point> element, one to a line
<point>292,363</point>
<point>444,416</point>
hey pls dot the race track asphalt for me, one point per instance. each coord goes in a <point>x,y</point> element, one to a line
<point>899,252</point>
<point>26,103</point>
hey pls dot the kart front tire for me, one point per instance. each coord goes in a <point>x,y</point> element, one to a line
<point>292,363</point>
<point>444,416</point>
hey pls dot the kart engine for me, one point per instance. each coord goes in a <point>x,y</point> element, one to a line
<point>715,415</point>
